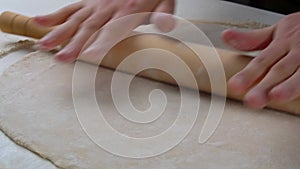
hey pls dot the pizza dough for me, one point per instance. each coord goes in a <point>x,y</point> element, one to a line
<point>37,112</point>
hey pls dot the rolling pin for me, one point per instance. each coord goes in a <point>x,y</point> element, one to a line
<point>25,26</point>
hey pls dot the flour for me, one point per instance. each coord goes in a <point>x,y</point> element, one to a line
<point>12,47</point>
<point>244,25</point>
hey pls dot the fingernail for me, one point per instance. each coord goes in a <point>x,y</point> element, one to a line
<point>93,55</point>
<point>63,56</point>
<point>38,46</point>
<point>45,41</point>
<point>68,54</point>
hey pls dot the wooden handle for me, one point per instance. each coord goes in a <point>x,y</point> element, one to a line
<point>232,62</point>
<point>21,25</point>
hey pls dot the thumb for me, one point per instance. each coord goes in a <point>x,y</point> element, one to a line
<point>248,41</point>
<point>162,18</point>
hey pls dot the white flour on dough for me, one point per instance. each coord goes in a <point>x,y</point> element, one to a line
<point>37,112</point>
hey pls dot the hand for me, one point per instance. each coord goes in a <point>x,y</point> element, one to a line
<point>274,75</point>
<point>77,22</point>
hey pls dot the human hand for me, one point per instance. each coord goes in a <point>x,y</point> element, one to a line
<point>273,75</point>
<point>77,22</point>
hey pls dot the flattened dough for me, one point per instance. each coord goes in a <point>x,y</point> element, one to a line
<point>37,112</point>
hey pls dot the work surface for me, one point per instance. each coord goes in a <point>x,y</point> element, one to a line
<point>10,153</point>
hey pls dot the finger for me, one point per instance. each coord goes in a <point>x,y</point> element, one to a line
<point>97,19</point>
<point>164,22</point>
<point>119,27</point>
<point>133,14</point>
<point>166,6</point>
<point>278,73</point>
<point>248,41</point>
<point>65,31</point>
<point>287,90</point>
<point>109,35</point>
<point>70,52</point>
<point>87,29</point>
<point>112,33</point>
<point>59,16</point>
<point>135,6</point>
<point>257,68</point>
<point>140,11</point>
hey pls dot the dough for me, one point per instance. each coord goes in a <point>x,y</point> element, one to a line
<point>37,112</point>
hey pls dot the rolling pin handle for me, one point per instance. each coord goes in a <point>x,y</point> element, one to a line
<point>14,23</point>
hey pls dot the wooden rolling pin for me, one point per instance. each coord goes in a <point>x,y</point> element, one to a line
<point>232,62</point>
<point>21,25</point>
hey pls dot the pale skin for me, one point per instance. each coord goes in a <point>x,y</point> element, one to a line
<point>272,76</point>
<point>79,21</point>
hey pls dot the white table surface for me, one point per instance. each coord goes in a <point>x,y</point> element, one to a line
<point>14,156</point>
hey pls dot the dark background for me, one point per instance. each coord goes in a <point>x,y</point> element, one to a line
<point>279,6</point>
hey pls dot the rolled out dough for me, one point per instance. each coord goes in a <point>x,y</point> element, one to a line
<point>37,112</point>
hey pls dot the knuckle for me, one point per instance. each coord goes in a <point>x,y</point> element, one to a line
<point>261,61</point>
<point>242,74</point>
<point>67,9</point>
<point>89,25</point>
<point>76,18</point>
<point>245,76</point>
<point>269,55</point>
<point>291,17</point>
<point>80,15</point>
<point>59,30</point>
<point>107,1</point>
<point>287,91</point>
<point>292,32</point>
<point>281,68</point>
<point>297,39</point>
<point>132,5</point>
<point>71,7</point>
